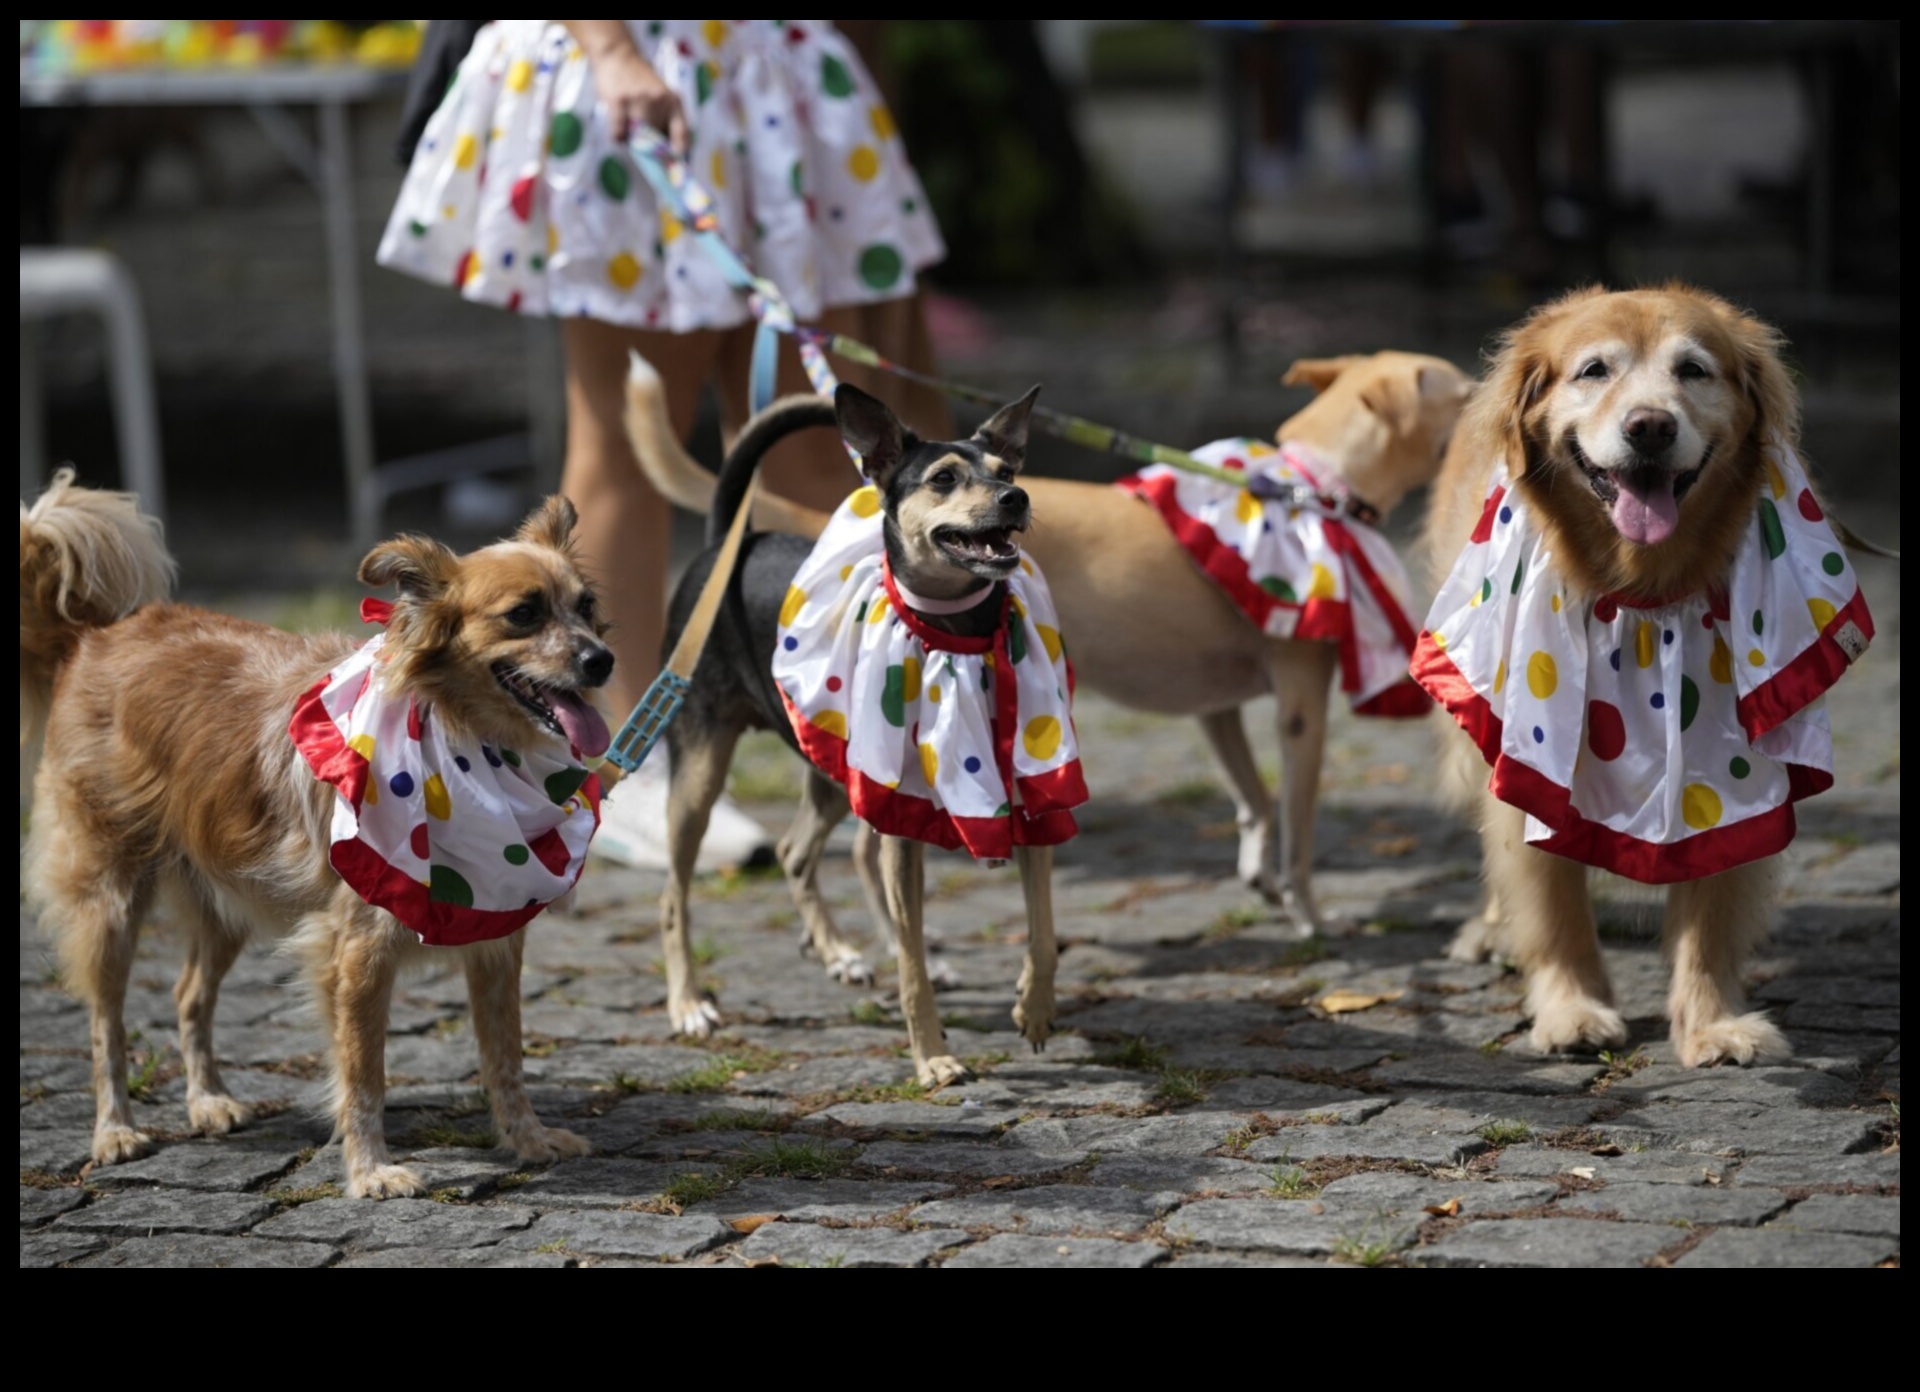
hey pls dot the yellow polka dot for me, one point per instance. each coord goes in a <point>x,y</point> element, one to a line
<point>669,226</point>
<point>494,133</point>
<point>719,169</point>
<point>1018,608</point>
<point>1246,507</point>
<point>933,693</point>
<point>1756,658</point>
<point>1474,603</point>
<point>1822,612</point>
<point>465,151</point>
<point>1700,806</point>
<point>877,610</point>
<point>929,762</point>
<point>1721,663</point>
<point>791,606</point>
<point>1050,638</point>
<point>1776,481</point>
<point>881,120</point>
<point>715,32</point>
<point>553,239</point>
<point>519,75</point>
<point>1042,737</point>
<point>1542,676</point>
<point>1322,586</point>
<point>845,571</point>
<point>1026,565</point>
<point>1440,641</point>
<point>1556,604</point>
<point>865,502</point>
<point>1500,677</point>
<point>362,744</point>
<point>1645,639</point>
<point>863,163</point>
<point>832,721</point>
<point>624,271</point>
<point>439,805</point>
<point>910,680</point>
<point>447,211</point>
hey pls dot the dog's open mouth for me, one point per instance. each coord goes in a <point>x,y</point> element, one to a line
<point>1643,502</point>
<point>993,547</point>
<point>561,711</point>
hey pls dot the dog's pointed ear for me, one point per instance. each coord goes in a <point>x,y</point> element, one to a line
<point>551,525</point>
<point>1004,433</point>
<point>871,430</point>
<point>1318,373</point>
<point>420,566</point>
<point>1394,397</point>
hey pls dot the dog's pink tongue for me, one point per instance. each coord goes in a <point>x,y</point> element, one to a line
<point>1646,510</point>
<point>584,725</point>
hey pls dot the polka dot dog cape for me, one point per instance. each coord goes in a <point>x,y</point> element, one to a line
<point>461,843</point>
<point>1296,572</point>
<point>929,737</point>
<point>1666,742</point>
<point>519,197</point>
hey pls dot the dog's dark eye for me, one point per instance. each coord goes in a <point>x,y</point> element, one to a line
<point>585,607</point>
<point>1689,369</point>
<point>524,613</point>
<point>1596,370</point>
<point>942,479</point>
<point>1005,474</point>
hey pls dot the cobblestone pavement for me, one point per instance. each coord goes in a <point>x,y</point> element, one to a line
<point>1201,1106</point>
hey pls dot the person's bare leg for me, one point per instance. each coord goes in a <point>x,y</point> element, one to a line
<point>623,533</point>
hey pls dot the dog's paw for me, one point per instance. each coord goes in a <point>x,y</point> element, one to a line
<point>851,971</point>
<point>1035,1021</point>
<point>695,1019</point>
<point>1574,1023</point>
<point>1750,1038</point>
<point>113,1144</point>
<point>384,1182</point>
<point>1475,942</point>
<point>542,1144</point>
<point>942,1069</point>
<point>943,977</point>
<point>216,1114</point>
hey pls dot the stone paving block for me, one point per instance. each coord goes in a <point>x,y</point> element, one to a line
<point>1742,1128</point>
<point>1694,1205</point>
<point>1181,1133</point>
<point>940,1159</point>
<point>1556,1242</point>
<point>226,1165</point>
<point>1010,1249</point>
<point>192,1249</point>
<point>1504,1072</point>
<point>1213,1261</point>
<point>1776,1246</point>
<point>650,1065</point>
<point>1291,1097</point>
<point>55,1248</point>
<point>803,1244</point>
<point>368,1223</point>
<point>414,1258</point>
<point>1871,1215</point>
<point>656,1118</point>
<point>600,1183</point>
<point>1081,1086</point>
<point>931,1118</point>
<point>827,1074</point>
<point>814,1200</point>
<point>1410,1195</point>
<point>1299,1227</point>
<point>456,1172</point>
<point>1423,1134</point>
<point>39,1205</point>
<point>1049,1209</point>
<point>1839,1017</point>
<point>1647,1166</point>
<point>55,1072</point>
<point>1763,1086</point>
<point>614,1234</point>
<point>140,1212</point>
<point>1180,1174</point>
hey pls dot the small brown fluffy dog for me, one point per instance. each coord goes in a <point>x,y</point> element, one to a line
<point>168,771</point>
<point>1634,422</point>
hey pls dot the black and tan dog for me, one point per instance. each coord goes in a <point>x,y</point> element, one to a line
<point>951,511</point>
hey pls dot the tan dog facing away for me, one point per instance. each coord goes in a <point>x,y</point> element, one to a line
<point>1634,424</point>
<point>1145,627</point>
<point>168,772</point>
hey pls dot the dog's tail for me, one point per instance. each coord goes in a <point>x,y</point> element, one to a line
<point>87,558</point>
<point>679,477</point>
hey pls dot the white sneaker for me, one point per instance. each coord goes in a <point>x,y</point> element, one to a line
<point>633,826</point>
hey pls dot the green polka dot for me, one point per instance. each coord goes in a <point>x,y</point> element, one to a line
<point>1770,530</point>
<point>1689,702</point>
<point>909,206</point>
<point>564,783</point>
<point>565,135</point>
<point>703,82</point>
<point>1017,639</point>
<point>536,262</point>
<point>881,265</point>
<point>654,27</point>
<point>614,179</point>
<point>516,855</point>
<point>446,886</point>
<point>510,757</point>
<point>1003,811</point>
<point>794,177</point>
<point>417,228</point>
<point>860,614</point>
<point>893,700</point>
<point>1832,564</point>
<point>1279,588</point>
<point>1759,623</point>
<point>1739,767</point>
<point>1519,574</point>
<point>835,80</point>
<point>1486,589</point>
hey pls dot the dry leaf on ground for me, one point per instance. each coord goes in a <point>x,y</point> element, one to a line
<point>1343,1001</point>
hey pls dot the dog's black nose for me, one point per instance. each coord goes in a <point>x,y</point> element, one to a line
<point>1013,499</point>
<point>1650,431</point>
<point>596,665</point>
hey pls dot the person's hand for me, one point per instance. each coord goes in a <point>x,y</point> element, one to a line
<point>634,95</point>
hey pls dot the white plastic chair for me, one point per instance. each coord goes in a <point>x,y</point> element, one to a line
<point>77,280</point>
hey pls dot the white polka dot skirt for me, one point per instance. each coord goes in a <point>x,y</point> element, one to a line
<point>519,197</point>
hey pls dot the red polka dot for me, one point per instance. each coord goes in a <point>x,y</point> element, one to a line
<point>419,841</point>
<point>1606,731</point>
<point>513,301</point>
<point>521,198</point>
<point>414,722</point>
<point>463,270</point>
<point>833,683</point>
<point>1810,506</point>
<point>1604,609</point>
<point>1234,462</point>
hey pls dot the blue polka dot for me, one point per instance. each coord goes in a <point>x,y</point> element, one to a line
<point>1615,659</point>
<point>461,760</point>
<point>773,123</point>
<point>1506,514</point>
<point>836,213</point>
<point>1659,700</point>
<point>491,757</point>
<point>401,783</point>
<point>1266,525</point>
<point>790,642</point>
<point>972,764</point>
<point>1668,638</point>
<point>506,258</point>
<point>1539,735</point>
